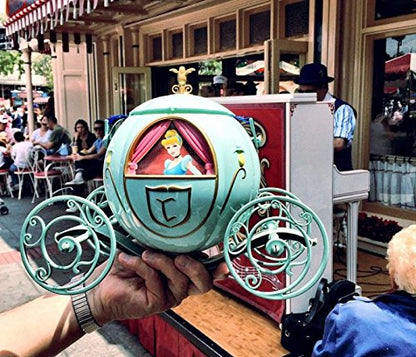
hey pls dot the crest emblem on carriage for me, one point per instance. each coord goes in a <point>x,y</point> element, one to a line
<point>169,206</point>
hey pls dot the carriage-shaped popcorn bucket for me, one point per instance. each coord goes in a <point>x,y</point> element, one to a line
<point>181,175</point>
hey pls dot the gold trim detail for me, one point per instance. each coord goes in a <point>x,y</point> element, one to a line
<point>182,87</point>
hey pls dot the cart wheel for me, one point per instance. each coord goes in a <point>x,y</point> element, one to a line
<point>274,234</point>
<point>68,244</point>
<point>4,210</point>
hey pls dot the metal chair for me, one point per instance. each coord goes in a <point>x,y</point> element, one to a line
<point>23,172</point>
<point>95,183</point>
<point>43,171</point>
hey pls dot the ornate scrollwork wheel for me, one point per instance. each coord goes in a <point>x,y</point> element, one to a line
<point>99,198</point>
<point>56,246</point>
<point>271,236</point>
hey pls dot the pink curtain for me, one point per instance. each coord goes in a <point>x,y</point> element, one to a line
<point>197,142</point>
<point>192,136</point>
<point>146,143</point>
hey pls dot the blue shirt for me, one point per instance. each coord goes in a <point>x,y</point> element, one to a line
<point>98,144</point>
<point>383,327</point>
<point>344,121</point>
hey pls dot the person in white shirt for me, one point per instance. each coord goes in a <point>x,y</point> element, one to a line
<point>41,135</point>
<point>20,155</point>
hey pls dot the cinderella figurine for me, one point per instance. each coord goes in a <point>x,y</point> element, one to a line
<point>180,164</point>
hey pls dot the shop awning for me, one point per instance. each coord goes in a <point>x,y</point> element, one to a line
<point>400,72</point>
<point>38,16</point>
<point>399,67</point>
<point>31,18</point>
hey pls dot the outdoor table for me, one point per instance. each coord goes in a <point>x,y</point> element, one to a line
<point>64,164</point>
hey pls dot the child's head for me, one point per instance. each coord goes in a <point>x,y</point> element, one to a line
<point>18,136</point>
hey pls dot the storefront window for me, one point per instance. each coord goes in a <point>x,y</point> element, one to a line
<point>393,124</point>
<point>200,40</point>
<point>156,48</point>
<point>227,34</point>
<point>297,19</point>
<point>259,27</point>
<point>387,8</point>
<point>177,45</point>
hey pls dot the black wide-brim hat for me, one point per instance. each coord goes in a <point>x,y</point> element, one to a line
<point>313,73</point>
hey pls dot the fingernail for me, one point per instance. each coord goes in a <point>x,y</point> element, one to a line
<point>183,260</point>
<point>123,257</point>
<point>148,255</point>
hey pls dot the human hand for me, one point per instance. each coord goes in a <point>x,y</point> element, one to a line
<point>139,286</point>
<point>76,157</point>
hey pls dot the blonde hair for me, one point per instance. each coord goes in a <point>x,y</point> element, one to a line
<point>401,256</point>
<point>171,137</point>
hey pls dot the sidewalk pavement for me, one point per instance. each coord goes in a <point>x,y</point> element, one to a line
<point>112,340</point>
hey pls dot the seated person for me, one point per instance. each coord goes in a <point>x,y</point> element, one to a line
<point>90,164</point>
<point>59,141</point>
<point>19,118</point>
<point>83,138</point>
<point>20,155</point>
<point>41,134</point>
<point>385,326</point>
<point>5,159</point>
<point>5,127</point>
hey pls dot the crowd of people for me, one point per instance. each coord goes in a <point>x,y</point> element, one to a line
<point>85,148</point>
<point>222,86</point>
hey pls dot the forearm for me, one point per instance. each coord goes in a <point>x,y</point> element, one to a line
<point>340,144</point>
<point>39,328</point>
<point>92,155</point>
<point>47,145</point>
<point>89,157</point>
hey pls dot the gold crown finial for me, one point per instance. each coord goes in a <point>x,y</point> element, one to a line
<point>182,87</point>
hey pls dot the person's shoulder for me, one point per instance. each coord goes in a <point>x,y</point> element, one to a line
<point>356,310</point>
<point>341,104</point>
<point>99,143</point>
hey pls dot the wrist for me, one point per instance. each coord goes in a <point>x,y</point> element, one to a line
<point>97,307</point>
<point>81,306</point>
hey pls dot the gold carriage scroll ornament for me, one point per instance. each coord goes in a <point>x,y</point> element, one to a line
<point>182,87</point>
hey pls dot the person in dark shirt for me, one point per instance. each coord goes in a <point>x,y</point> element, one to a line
<point>59,141</point>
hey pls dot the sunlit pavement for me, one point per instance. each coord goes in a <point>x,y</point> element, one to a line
<point>18,288</point>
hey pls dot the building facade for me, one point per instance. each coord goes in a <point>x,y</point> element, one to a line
<point>110,58</point>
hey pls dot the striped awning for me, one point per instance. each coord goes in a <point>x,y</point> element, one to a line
<point>43,15</point>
